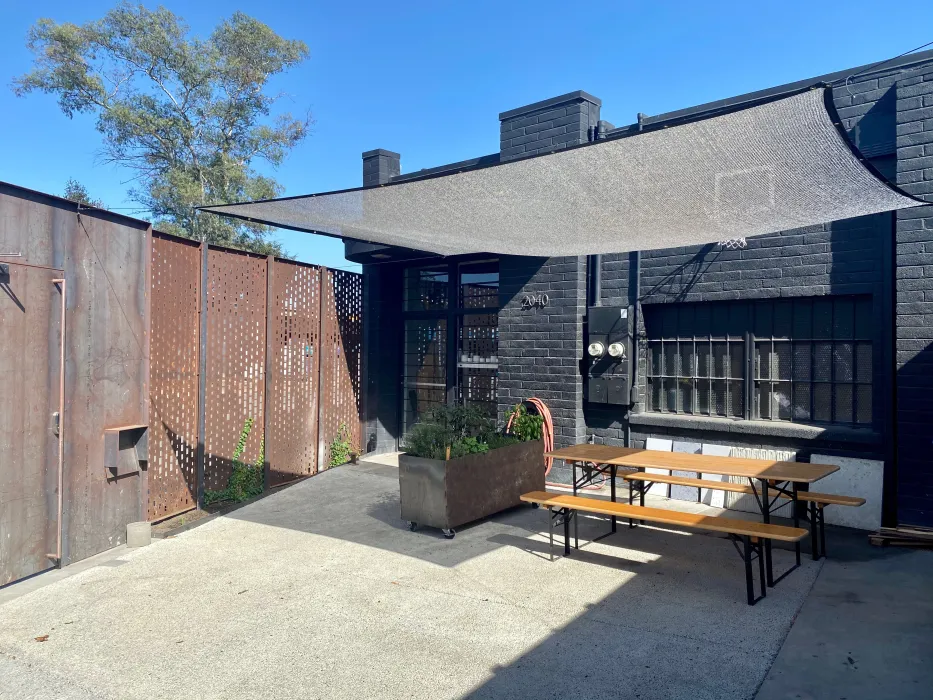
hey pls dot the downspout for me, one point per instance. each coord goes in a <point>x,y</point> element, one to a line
<point>634,276</point>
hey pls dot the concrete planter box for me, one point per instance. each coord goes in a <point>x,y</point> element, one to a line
<point>447,494</point>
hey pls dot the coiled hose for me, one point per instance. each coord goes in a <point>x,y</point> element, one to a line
<point>547,434</point>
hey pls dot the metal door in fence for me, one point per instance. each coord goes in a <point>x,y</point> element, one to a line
<point>295,367</point>
<point>31,324</point>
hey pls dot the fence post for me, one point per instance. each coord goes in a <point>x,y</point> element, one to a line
<point>202,376</point>
<point>322,342</point>
<point>267,390</point>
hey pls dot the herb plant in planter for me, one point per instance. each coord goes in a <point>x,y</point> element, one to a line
<point>458,468</point>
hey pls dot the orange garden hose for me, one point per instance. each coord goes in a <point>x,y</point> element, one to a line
<point>547,434</point>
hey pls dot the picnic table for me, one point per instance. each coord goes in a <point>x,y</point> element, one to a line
<point>785,479</point>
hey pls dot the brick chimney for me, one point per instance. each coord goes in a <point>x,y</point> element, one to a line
<point>380,166</point>
<point>549,125</point>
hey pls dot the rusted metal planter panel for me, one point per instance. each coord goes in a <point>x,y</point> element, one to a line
<point>173,393</point>
<point>291,445</point>
<point>449,494</point>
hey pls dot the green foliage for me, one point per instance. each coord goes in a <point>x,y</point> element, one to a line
<point>526,426</point>
<point>463,429</point>
<point>189,116</point>
<point>77,192</point>
<point>342,448</point>
<point>246,480</point>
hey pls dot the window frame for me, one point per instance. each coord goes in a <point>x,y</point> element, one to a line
<point>454,314</point>
<point>752,377</point>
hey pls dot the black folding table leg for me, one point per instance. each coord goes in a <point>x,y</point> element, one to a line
<point>814,545</point>
<point>631,498</point>
<point>766,518</point>
<point>796,508</point>
<point>612,489</point>
<point>747,557</point>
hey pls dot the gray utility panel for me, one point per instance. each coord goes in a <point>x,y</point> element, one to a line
<point>609,355</point>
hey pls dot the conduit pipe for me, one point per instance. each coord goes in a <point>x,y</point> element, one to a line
<point>61,429</point>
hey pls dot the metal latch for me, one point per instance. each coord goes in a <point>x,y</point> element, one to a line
<point>56,423</point>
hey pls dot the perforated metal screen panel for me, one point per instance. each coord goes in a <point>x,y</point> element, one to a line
<point>236,351</point>
<point>772,167</point>
<point>173,368</point>
<point>292,444</point>
<point>342,332</point>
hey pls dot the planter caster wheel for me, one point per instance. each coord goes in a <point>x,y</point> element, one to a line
<point>535,506</point>
<point>449,534</point>
<point>412,525</point>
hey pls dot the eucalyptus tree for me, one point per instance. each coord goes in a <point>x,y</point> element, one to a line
<point>189,117</point>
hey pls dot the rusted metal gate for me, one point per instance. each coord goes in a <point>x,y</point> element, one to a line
<point>237,336</point>
<point>173,383</point>
<point>30,378</point>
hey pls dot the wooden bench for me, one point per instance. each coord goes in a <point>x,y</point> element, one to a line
<point>816,501</point>
<point>751,534</point>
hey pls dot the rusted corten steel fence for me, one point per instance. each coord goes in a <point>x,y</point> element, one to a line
<point>238,336</point>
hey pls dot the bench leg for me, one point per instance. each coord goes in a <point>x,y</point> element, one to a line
<point>814,544</point>
<point>822,519</point>
<point>761,569</point>
<point>567,514</point>
<point>551,533</point>
<point>576,537</point>
<point>612,487</point>
<point>747,558</point>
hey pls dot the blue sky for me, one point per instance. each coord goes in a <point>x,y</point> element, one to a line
<point>428,79</point>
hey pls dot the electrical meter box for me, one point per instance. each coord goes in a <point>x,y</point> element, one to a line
<point>609,356</point>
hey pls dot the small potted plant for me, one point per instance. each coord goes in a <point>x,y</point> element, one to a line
<point>458,468</point>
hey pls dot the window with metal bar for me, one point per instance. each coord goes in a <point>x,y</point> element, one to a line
<point>803,360</point>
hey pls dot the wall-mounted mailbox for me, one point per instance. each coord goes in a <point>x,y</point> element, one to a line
<point>609,355</point>
<point>126,449</point>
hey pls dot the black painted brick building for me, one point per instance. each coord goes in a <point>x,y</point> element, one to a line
<point>882,264</point>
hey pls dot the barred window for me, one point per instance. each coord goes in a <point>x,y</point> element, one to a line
<point>808,360</point>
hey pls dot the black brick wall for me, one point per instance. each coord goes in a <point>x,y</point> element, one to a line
<point>540,348</point>
<point>914,301</point>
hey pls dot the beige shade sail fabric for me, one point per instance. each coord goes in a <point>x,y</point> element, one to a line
<point>775,166</point>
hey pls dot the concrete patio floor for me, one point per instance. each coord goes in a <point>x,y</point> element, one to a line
<point>319,591</point>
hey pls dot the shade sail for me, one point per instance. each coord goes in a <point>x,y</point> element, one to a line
<point>775,166</point>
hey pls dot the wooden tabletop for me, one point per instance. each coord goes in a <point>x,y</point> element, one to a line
<point>801,472</point>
